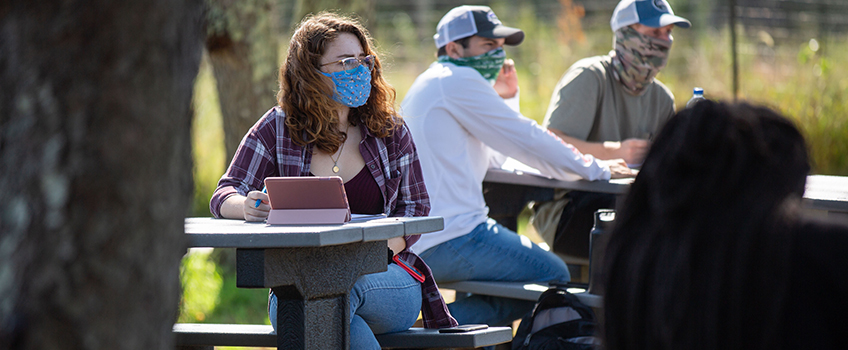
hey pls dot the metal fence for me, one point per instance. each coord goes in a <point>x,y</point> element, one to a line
<point>784,18</point>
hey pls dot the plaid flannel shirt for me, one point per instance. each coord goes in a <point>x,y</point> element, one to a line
<point>268,150</point>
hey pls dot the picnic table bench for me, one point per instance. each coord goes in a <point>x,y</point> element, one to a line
<point>518,290</point>
<point>204,336</point>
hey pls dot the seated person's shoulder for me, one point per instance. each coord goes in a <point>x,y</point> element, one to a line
<point>268,122</point>
<point>450,70</point>
<point>823,230</point>
<point>451,81</point>
<point>587,68</point>
<point>659,88</point>
<point>821,242</point>
<point>399,131</point>
<point>596,64</point>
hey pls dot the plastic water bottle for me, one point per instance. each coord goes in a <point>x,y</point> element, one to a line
<point>598,238</point>
<point>697,96</point>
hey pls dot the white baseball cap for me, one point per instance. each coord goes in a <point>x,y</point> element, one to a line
<point>464,21</point>
<point>651,13</point>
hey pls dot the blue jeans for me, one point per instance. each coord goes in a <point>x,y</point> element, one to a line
<point>383,302</point>
<point>492,252</point>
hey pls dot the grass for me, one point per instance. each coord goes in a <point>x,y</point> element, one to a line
<point>804,78</point>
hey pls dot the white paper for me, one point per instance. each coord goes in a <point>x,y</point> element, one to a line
<point>365,217</point>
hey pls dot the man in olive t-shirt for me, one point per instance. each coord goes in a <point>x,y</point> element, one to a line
<point>594,112</point>
<point>610,106</point>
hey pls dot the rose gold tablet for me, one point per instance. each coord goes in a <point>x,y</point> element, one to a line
<point>306,192</point>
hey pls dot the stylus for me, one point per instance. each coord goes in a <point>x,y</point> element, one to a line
<point>264,190</point>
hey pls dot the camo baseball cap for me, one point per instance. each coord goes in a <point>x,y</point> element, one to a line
<point>652,13</point>
<point>464,21</point>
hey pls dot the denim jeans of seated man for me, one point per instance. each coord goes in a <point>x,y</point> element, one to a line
<point>492,252</point>
<point>383,302</point>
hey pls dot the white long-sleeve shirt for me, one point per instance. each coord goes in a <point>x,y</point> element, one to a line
<point>457,119</point>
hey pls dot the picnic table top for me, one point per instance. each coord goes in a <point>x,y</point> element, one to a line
<point>823,192</point>
<point>225,233</point>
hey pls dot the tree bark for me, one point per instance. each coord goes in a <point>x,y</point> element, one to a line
<point>243,39</point>
<point>95,158</point>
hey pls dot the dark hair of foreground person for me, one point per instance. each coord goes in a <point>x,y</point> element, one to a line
<point>710,250</point>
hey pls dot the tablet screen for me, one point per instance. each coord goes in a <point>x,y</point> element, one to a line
<point>306,192</point>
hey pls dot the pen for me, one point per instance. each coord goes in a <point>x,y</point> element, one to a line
<point>258,201</point>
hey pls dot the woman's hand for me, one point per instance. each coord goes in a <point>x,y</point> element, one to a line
<point>252,212</point>
<point>397,244</point>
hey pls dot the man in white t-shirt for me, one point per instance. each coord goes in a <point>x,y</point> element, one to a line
<point>609,106</point>
<point>460,121</point>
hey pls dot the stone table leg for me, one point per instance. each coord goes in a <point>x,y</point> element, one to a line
<point>312,285</point>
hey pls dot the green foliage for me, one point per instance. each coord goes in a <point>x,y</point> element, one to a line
<point>201,284</point>
<point>210,293</point>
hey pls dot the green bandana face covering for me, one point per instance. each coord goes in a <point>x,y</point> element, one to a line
<point>638,58</point>
<point>488,64</point>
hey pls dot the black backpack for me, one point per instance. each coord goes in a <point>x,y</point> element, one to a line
<point>572,326</point>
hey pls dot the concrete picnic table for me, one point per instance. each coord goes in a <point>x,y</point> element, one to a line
<point>507,192</point>
<point>310,268</point>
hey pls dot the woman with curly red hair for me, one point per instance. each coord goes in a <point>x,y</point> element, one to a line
<point>336,117</point>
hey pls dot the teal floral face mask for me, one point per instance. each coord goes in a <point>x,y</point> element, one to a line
<point>488,64</point>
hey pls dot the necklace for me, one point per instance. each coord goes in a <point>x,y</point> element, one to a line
<point>336,168</point>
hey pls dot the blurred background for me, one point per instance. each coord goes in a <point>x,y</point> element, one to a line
<point>787,54</point>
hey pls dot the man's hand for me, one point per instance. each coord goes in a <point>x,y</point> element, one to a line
<point>507,83</point>
<point>633,151</point>
<point>618,168</point>
<point>252,212</point>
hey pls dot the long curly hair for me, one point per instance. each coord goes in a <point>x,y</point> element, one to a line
<point>698,255</point>
<point>305,93</point>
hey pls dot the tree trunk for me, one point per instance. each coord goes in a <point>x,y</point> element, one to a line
<point>96,170</point>
<point>243,39</point>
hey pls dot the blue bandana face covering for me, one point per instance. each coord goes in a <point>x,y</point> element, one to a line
<point>352,89</point>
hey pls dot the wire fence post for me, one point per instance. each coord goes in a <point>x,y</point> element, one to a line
<point>733,49</point>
